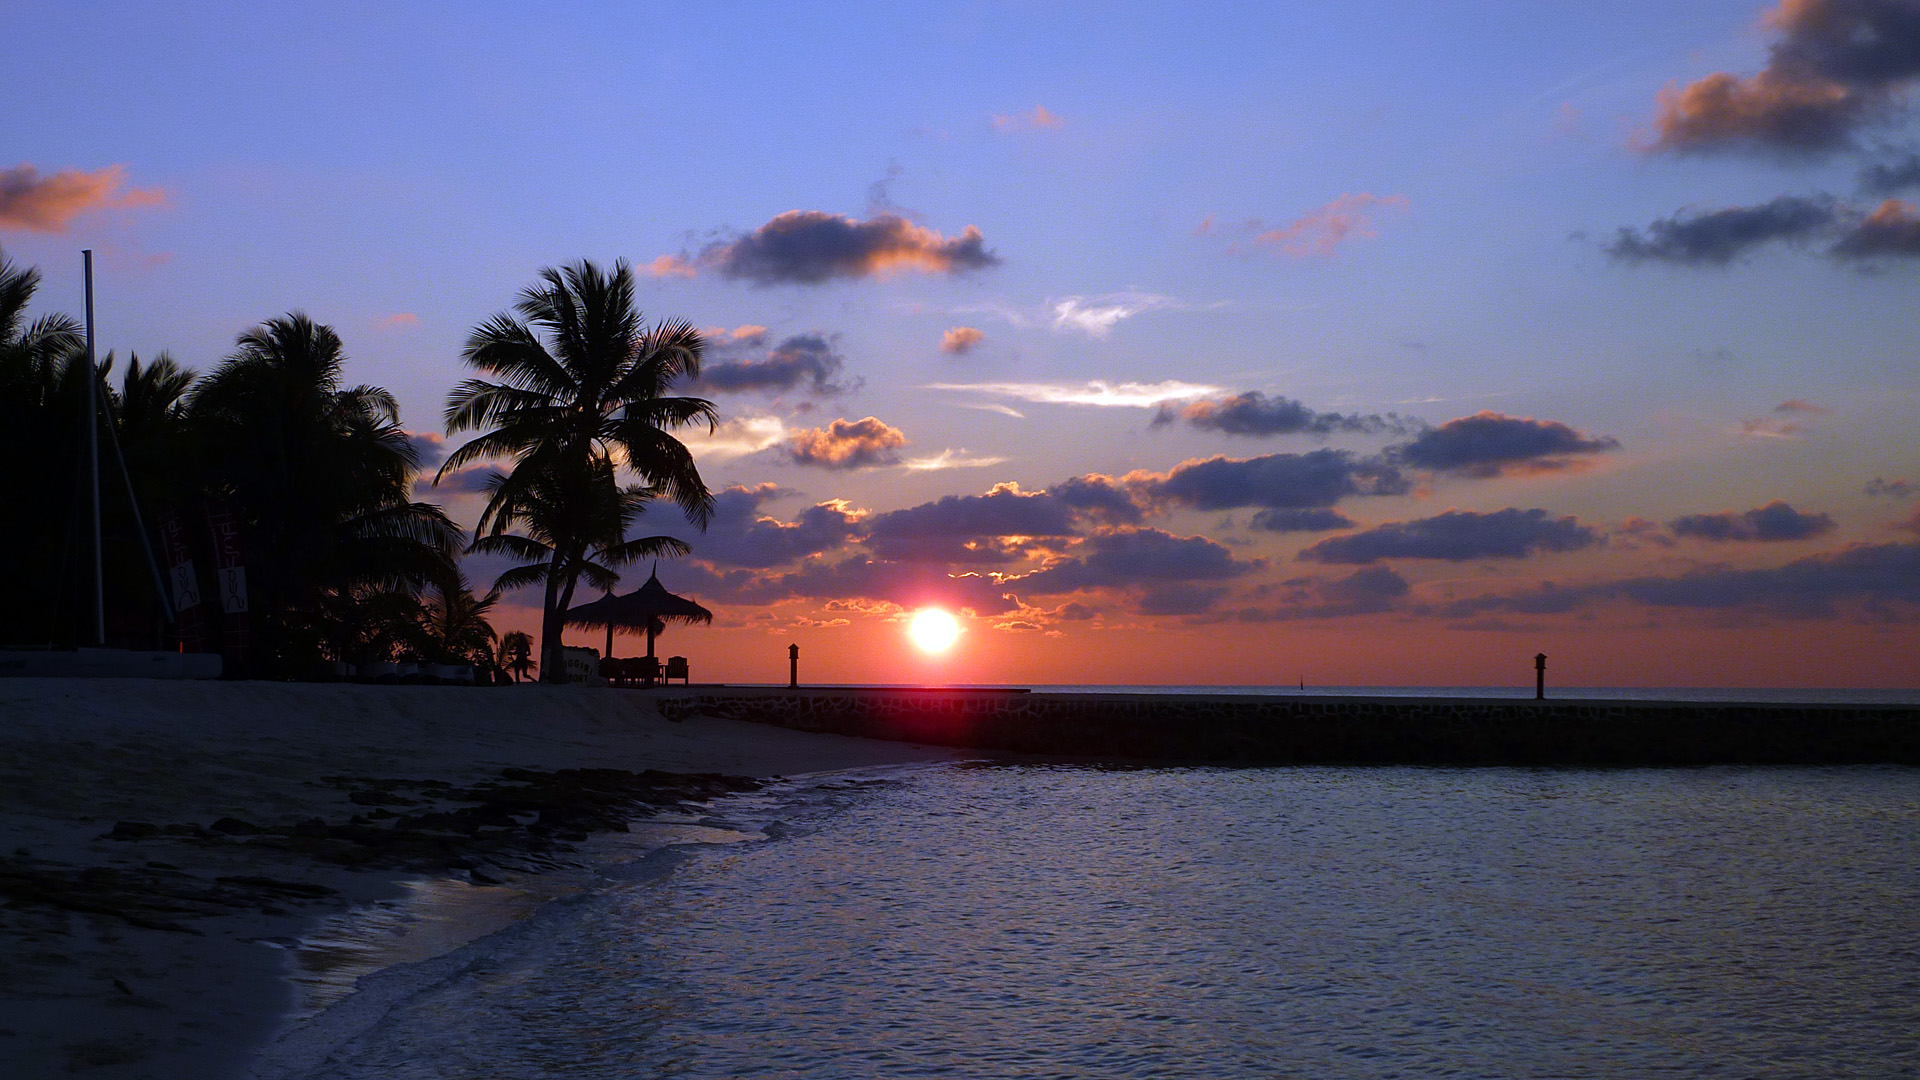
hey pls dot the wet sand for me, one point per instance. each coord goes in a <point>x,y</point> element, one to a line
<point>163,843</point>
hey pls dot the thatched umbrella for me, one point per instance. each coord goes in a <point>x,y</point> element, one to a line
<point>649,607</point>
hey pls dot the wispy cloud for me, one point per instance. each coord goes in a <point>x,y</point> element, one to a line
<point>1039,119</point>
<point>950,459</point>
<point>1096,316</point>
<point>1132,395</point>
<point>49,203</point>
<point>1319,232</point>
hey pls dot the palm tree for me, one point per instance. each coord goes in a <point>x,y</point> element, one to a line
<point>41,420</point>
<point>455,622</point>
<point>581,387</point>
<point>573,528</point>
<point>516,652</point>
<point>322,475</point>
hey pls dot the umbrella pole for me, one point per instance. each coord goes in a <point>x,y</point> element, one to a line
<point>609,641</point>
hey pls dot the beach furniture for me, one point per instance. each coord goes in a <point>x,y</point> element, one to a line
<point>677,669</point>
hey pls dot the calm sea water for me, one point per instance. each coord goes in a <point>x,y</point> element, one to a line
<point>1763,694</point>
<point>975,921</point>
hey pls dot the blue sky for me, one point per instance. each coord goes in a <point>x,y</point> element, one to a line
<point>1439,189</point>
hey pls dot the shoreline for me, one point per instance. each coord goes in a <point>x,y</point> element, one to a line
<point>1307,729</point>
<point>165,845</point>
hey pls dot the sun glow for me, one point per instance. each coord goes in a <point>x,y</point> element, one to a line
<point>933,630</point>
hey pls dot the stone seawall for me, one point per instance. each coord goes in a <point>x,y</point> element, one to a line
<point>1166,727</point>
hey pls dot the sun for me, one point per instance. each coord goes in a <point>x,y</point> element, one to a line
<point>933,630</point>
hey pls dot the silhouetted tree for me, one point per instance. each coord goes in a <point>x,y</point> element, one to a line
<point>580,387</point>
<point>322,476</point>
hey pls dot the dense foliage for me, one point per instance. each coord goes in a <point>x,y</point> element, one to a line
<point>341,562</point>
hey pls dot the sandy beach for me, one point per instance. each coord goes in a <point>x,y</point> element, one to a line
<point>163,843</point>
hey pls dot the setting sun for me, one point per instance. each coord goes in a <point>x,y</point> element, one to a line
<point>933,630</point>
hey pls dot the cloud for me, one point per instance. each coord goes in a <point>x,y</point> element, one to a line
<point>665,266</point>
<point>1040,119</point>
<point>1892,229</point>
<point>848,444</point>
<point>1772,522</point>
<point>902,584</point>
<point>1717,237</point>
<point>1838,66</point>
<point>48,204</point>
<point>471,480</point>
<point>739,534</point>
<point>431,446</point>
<point>806,361</point>
<point>997,527</point>
<point>1308,520</point>
<point>1801,407</point>
<point>1315,479</point>
<point>1456,536</point>
<point>1489,444</point>
<point>1809,587</point>
<point>1097,316</point>
<point>809,247</point>
<point>736,438</point>
<point>1891,489</point>
<point>1100,498</point>
<point>950,459</point>
<point>1321,232</point>
<point>960,340</point>
<point>1890,177</point>
<point>1366,591</point>
<point>404,320</point>
<point>1094,392</point>
<point>1255,414</point>
<point>1140,559</point>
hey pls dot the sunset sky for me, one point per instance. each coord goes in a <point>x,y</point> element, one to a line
<point>1361,343</point>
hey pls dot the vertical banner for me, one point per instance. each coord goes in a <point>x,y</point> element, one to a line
<point>231,572</point>
<point>185,583</point>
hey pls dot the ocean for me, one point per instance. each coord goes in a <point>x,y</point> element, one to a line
<point>973,920</point>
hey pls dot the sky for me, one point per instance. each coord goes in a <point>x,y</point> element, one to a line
<point>1361,344</point>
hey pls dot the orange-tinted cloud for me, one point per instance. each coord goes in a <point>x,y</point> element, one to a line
<point>1837,66</point>
<point>848,444</point>
<point>1322,231</point>
<point>1892,229</point>
<point>49,203</point>
<point>1040,119</point>
<point>960,340</point>
<point>670,266</point>
<point>402,320</point>
<point>809,247</point>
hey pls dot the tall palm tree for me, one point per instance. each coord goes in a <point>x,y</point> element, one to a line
<point>322,475</point>
<point>580,387</point>
<point>42,415</point>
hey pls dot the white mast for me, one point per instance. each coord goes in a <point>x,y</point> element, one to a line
<point>93,465</point>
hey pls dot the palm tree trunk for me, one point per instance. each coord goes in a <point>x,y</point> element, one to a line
<point>553,666</point>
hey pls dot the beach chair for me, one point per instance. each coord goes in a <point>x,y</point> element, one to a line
<point>677,669</point>
<point>647,670</point>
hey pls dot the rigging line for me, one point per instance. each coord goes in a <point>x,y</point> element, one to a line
<point>139,526</point>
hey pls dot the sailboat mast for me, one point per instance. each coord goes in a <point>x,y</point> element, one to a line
<point>93,466</point>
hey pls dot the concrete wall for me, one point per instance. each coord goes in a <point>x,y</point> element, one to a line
<point>1344,729</point>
